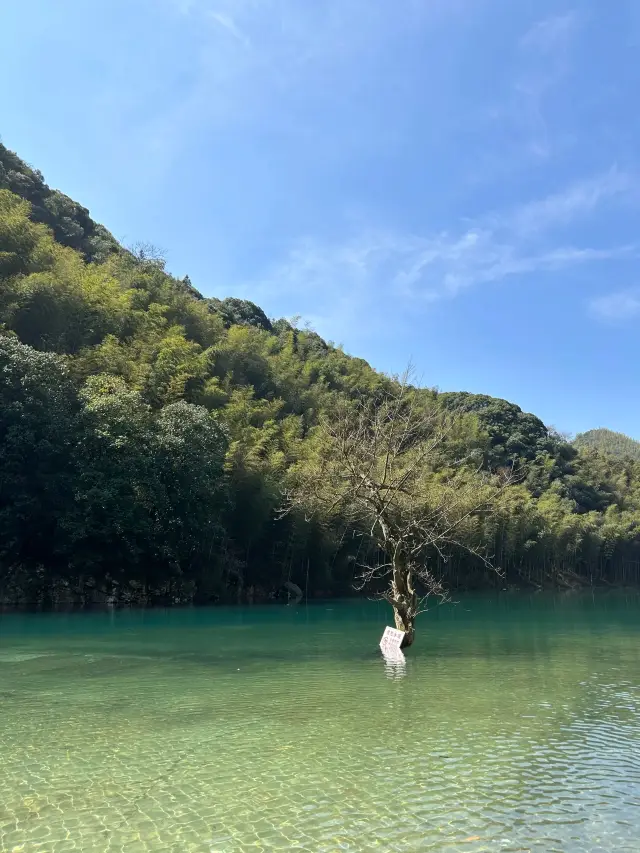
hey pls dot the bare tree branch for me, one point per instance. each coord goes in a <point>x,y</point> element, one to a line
<point>387,465</point>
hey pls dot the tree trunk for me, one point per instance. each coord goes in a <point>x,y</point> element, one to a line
<point>404,622</point>
<point>404,599</point>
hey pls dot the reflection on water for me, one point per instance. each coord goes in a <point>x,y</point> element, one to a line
<point>395,666</point>
<point>512,725</point>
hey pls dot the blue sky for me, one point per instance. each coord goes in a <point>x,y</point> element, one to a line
<point>452,181</point>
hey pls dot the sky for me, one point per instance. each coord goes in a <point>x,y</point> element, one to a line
<point>451,182</point>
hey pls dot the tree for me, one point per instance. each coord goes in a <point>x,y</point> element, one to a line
<point>188,456</point>
<point>149,254</point>
<point>38,433</point>
<point>112,523</point>
<point>69,221</point>
<point>385,466</point>
<point>121,482</point>
<point>241,312</point>
<point>18,237</point>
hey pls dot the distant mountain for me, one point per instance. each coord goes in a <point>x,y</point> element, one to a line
<point>608,441</point>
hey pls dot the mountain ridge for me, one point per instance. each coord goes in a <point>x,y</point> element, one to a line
<point>184,417</point>
<point>609,441</point>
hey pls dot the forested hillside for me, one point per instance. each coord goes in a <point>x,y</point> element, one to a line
<point>147,435</point>
<point>608,441</point>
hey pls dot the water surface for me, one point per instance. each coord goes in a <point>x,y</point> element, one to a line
<point>514,726</point>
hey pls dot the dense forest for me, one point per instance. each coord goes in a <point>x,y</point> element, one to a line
<point>607,441</point>
<point>148,434</point>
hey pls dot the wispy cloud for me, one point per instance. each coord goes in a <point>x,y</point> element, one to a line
<point>614,307</point>
<point>542,65</point>
<point>265,62</point>
<point>576,201</point>
<point>229,24</point>
<point>384,267</point>
<point>549,33</point>
<point>288,35</point>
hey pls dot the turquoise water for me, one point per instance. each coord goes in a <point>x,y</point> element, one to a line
<point>513,726</point>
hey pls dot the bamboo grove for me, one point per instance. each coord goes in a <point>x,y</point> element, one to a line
<point>148,436</point>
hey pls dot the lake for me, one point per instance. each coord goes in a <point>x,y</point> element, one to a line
<point>514,726</point>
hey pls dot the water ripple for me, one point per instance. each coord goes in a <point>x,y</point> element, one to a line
<point>494,735</point>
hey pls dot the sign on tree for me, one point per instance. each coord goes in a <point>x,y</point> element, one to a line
<point>391,642</point>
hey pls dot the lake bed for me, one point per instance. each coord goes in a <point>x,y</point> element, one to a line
<point>513,726</point>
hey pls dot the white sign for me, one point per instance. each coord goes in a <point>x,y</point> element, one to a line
<point>391,642</point>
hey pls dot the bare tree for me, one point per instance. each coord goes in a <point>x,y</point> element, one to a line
<point>389,466</point>
<point>149,253</point>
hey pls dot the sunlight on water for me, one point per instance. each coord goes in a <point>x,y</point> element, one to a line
<point>513,725</point>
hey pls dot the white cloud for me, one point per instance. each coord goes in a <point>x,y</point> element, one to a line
<point>259,52</point>
<point>623,305</point>
<point>549,33</point>
<point>542,65</point>
<point>380,266</point>
<point>229,24</point>
<point>419,268</point>
<point>576,201</point>
<point>256,60</point>
<point>289,34</point>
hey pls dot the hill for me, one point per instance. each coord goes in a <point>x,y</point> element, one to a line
<point>608,441</point>
<point>147,435</point>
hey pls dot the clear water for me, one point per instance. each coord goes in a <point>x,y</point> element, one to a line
<point>515,726</point>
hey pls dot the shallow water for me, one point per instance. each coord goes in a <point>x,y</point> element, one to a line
<point>514,726</point>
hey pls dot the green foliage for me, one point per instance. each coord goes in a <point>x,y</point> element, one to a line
<point>514,435</point>
<point>38,420</point>
<point>151,491</point>
<point>236,312</point>
<point>607,441</point>
<point>71,224</point>
<point>147,435</point>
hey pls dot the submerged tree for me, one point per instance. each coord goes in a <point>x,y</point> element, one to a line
<point>391,467</point>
